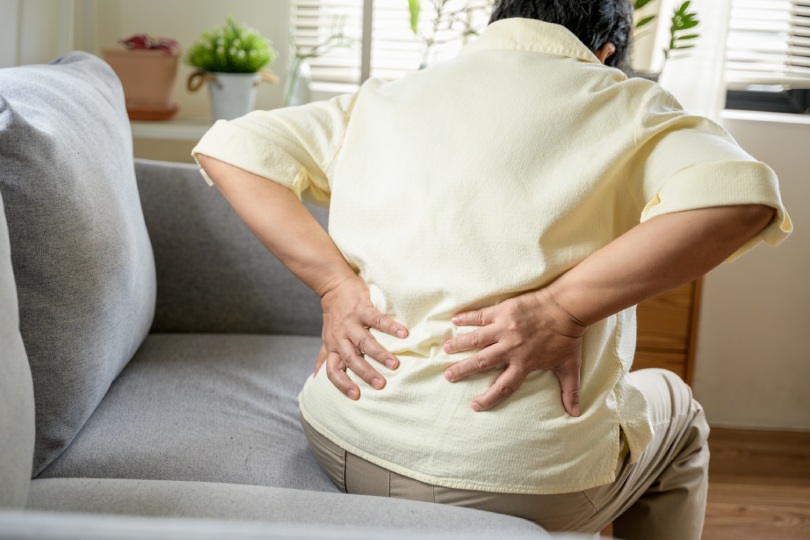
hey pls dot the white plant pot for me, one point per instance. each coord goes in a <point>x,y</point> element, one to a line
<point>233,94</point>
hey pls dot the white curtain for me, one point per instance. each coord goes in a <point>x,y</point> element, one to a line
<point>35,31</point>
<point>696,79</point>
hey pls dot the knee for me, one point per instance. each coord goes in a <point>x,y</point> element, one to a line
<point>669,397</point>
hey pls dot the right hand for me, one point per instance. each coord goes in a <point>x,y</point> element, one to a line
<point>347,316</point>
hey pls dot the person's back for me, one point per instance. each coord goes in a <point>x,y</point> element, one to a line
<point>508,207</point>
<point>459,186</point>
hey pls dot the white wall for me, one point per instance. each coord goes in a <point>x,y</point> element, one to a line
<point>753,354</point>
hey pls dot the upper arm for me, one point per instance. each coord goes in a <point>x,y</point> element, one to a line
<point>685,162</point>
<point>295,146</point>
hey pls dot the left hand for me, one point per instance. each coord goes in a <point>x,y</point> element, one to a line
<point>526,333</point>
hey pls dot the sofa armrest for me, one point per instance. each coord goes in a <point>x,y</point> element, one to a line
<point>213,276</point>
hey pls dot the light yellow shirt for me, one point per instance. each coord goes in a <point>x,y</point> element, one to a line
<point>474,181</point>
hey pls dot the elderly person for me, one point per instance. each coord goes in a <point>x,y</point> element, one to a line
<point>493,221</point>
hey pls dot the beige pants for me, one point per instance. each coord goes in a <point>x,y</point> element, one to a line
<point>661,497</point>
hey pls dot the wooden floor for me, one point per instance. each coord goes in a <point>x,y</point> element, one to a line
<point>759,486</point>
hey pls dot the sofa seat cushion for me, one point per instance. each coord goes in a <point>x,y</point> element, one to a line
<point>203,407</point>
<point>273,505</point>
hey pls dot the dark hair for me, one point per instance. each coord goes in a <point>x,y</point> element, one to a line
<point>594,22</point>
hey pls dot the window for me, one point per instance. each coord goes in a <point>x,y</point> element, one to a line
<point>382,42</point>
<point>768,55</point>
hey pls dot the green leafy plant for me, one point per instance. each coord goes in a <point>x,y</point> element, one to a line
<point>682,20</point>
<point>234,48</point>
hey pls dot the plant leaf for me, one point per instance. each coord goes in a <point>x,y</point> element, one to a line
<point>685,25</point>
<point>640,4</point>
<point>645,21</point>
<point>415,6</point>
<point>680,47</point>
<point>689,36</point>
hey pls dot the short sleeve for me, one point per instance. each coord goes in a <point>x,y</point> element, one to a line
<point>294,146</point>
<point>684,162</point>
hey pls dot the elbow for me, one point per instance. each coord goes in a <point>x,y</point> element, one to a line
<point>758,216</point>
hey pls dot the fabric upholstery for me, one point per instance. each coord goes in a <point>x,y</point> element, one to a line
<point>81,526</point>
<point>16,392</point>
<point>211,408</point>
<point>289,506</point>
<point>213,275</point>
<point>80,251</point>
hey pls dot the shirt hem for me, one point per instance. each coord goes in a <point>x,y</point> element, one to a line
<point>454,483</point>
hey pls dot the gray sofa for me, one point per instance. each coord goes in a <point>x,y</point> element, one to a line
<point>151,350</point>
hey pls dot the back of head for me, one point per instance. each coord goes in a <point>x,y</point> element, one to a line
<point>594,22</point>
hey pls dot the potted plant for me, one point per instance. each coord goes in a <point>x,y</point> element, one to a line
<point>682,35</point>
<point>147,67</point>
<point>232,60</point>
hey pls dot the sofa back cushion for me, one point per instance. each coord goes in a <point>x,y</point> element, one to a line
<point>16,392</point>
<point>79,247</point>
<point>213,275</point>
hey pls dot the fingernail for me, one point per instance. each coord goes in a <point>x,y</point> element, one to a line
<point>391,363</point>
<point>402,333</point>
<point>353,393</point>
<point>455,320</point>
<point>446,347</point>
<point>377,383</point>
<point>448,375</point>
<point>576,410</point>
<point>475,406</point>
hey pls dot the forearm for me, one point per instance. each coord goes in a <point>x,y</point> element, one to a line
<point>282,223</point>
<point>655,256</point>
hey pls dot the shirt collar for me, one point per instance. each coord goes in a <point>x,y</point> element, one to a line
<point>531,35</point>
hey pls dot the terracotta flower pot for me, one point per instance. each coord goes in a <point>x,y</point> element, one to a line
<point>148,79</point>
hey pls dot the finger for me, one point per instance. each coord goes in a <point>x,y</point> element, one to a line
<point>320,359</point>
<point>479,317</point>
<point>353,361</point>
<point>504,386</point>
<point>482,361</point>
<point>366,344</point>
<point>335,371</point>
<point>378,320</point>
<point>569,387</point>
<point>477,339</point>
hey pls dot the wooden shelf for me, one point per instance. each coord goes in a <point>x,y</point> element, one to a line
<point>179,129</point>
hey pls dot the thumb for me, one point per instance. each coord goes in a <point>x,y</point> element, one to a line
<point>569,385</point>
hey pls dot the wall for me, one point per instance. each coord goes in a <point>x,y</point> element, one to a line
<point>753,354</point>
<point>101,23</point>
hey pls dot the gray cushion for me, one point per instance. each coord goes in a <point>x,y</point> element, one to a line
<point>16,392</point>
<point>213,275</point>
<point>271,505</point>
<point>80,251</point>
<point>213,408</point>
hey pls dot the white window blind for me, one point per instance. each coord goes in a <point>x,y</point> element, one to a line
<point>314,21</point>
<point>394,49</point>
<point>768,44</point>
